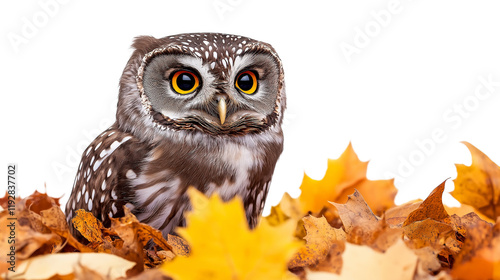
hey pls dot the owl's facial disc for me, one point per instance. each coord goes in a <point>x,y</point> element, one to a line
<point>187,91</point>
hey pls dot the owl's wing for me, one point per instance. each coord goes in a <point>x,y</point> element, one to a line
<point>101,184</point>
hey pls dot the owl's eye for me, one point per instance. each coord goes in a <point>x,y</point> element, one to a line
<point>185,82</point>
<point>247,82</point>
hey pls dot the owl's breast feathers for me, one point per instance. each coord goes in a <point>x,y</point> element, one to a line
<point>117,170</point>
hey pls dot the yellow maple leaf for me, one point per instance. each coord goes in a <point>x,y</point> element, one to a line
<point>223,247</point>
<point>478,185</point>
<point>343,175</point>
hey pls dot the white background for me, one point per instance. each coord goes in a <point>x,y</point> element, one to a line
<point>413,66</point>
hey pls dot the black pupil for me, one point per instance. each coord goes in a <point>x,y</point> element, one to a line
<point>185,81</point>
<point>245,82</point>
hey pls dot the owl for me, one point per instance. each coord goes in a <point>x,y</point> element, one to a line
<point>200,110</point>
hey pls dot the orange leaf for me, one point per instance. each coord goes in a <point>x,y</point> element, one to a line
<point>485,264</point>
<point>342,176</point>
<point>40,201</point>
<point>88,226</point>
<point>431,208</point>
<point>55,220</point>
<point>478,185</point>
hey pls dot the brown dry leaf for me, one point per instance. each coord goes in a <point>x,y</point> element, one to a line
<point>385,237</point>
<point>155,258</point>
<point>131,231</point>
<point>478,252</point>
<point>56,265</point>
<point>342,176</point>
<point>32,236</point>
<point>40,201</point>
<point>333,261</point>
<point>431,208</point>
<point>465,209</point>
<point>135,236</point>
<point>88,226</point>
<point>30,243</point>
<point>431,226</point>
<point>319,239</point>
<point>396,216</point>
<point>179,246</point>
<point>484,264</point>
<point>55,220</point>
<point>478,185</point>
<point>363,227</point>
<point>428,233</point>
<point>358,219</point>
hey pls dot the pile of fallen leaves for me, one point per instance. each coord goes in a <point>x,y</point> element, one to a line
<point>341,227</point>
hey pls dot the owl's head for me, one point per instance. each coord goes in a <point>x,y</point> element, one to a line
<point>210,83</point>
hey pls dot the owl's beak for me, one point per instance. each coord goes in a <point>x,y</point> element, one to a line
<point>222,110</point>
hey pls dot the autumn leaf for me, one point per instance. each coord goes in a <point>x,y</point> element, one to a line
<point>357,218</point>
<point>288,208</point>
<point>54,219</point>
<point>430,226</point>
<point>132,231</point>
<point>343,175</point>
<point>478,185</point>
<point>56,266</point>
<point>465,209</point>
<point>363,227</point>
<point>319,239</point>
<point>88,226</point>
<point>483,265</point>
<point>396,216</point>
<point>223,247</point>
<point>361,262</point>
<point>427,233</point>
<point>40,201</point>
<point>480,254</point>
<point>431,208</point>
<point>179,246</point>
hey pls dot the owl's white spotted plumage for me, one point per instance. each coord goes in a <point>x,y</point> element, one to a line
<point>202,110</point>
